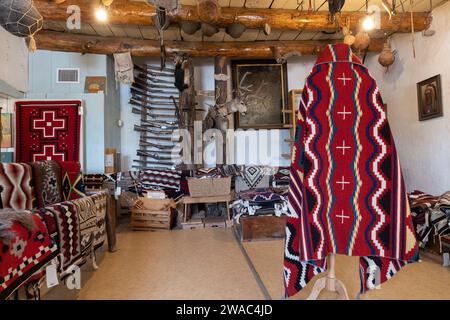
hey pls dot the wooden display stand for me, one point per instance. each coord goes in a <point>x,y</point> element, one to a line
<point>330,282</point>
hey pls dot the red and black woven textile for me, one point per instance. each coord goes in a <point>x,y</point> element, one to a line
<point>27,253</point>
<point>346,194</point>
<point>47,130</point>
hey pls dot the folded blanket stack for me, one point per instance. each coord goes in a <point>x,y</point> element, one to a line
<point>260,201</point>
<point>431,215</point>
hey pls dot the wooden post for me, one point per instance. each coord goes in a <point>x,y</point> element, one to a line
<point>221,92</point>
<point>110,222</point>
<point>331,284</point>
<point>188,108</point>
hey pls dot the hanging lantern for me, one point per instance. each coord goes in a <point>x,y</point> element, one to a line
<point>20,17</point>
<point>387,56</point>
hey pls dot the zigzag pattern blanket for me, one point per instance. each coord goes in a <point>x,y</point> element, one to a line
<point>347,194</point>
<point>16,186</point>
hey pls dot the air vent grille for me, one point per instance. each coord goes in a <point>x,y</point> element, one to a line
<point>67,75</point>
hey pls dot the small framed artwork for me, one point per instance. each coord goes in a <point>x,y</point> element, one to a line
<point>6,138</point>
<point>429,96</point>
<point>95,84</point>
<point>262,84</point>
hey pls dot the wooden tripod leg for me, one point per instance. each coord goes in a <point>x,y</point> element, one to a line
<point>319,286</point>
<point>341,290</point>
<point>329,282</point>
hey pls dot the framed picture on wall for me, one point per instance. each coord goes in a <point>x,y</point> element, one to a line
<point>95,84</point>
<point>6,157</point>
<point>429,96</point>
<point>262,84</point>
<point>6,138</point>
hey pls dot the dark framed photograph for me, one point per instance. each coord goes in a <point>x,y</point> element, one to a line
<point>429,95</point>
<point>262,84</point>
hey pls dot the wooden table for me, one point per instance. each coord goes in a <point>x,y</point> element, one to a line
<point>187,200</point>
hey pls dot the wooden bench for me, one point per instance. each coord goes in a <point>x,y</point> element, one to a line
<point>187,200</point>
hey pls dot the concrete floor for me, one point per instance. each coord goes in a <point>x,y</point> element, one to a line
<point>208,264</point>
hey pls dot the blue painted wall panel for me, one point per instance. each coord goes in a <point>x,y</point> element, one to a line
<point>43,85</point>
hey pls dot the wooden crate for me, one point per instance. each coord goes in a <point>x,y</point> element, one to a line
<point>268,227</point>
<point>145,219</point>
<point>148,214</point>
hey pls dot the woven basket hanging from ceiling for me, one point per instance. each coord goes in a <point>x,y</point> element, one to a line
<point>20,17</point>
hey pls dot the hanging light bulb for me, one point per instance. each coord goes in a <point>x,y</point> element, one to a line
<point>368,23</point>
<point>101,13</point>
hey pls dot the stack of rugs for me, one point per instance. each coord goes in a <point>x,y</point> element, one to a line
<point>260,201</point>
<point>219,172</point>
<point>46,215</point>
<point>261,190</point>
<point>174,182</point>
<point>431,217</point>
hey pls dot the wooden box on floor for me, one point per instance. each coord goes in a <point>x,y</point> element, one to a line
<point>268,227</point>
<point>153,214</point>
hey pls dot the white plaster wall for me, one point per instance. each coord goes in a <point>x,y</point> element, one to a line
<point>14,61</point>
<point>423,146</point>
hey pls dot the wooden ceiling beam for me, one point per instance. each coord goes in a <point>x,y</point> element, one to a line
<point>140,13</point>
<point>69,42</point>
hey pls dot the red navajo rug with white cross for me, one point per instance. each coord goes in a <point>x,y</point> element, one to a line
<point>48,130</point>
<point>347,194</point>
